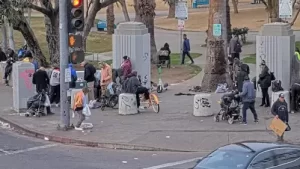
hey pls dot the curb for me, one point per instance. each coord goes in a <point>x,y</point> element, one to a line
<point>68,141</point>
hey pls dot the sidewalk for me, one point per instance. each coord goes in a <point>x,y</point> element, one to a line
<point>174,128</point>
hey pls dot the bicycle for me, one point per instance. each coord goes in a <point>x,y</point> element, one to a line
<point>152,102</point>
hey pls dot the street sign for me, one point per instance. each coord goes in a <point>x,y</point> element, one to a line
<point>181,10</point>
<point>217,30</point>
<point>68,75</point>
<point>285,9</point>
<point>180,24</point>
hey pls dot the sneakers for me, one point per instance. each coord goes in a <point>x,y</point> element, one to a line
<point>256,121</point>
<point>78,128</point>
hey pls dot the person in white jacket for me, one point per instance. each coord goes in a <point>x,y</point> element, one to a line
<point>55,86</point>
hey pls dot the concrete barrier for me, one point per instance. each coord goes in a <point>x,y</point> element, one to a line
<point>127,104</point>
<point>203,105</point>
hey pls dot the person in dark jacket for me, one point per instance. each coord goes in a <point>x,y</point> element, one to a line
<point>280,111</point>
<point>167,58</point>
<point>295,92</point>
<point>265,82</point>
<point>186,49</point>
<point>241,75</point>
<point>248,98</point>
<point>2,56</point>
<point>41,80</point>
<point>89,77</point>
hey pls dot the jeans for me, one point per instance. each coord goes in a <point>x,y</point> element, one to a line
<point>80,115</point>
<point>183,57</point>
<point>141,90</point>
<point>265,97</point>
<point>251,106</point>
<point>235,55</point>
<point>55,94</point>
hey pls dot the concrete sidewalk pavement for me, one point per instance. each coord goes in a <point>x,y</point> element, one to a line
<point>173,129</point>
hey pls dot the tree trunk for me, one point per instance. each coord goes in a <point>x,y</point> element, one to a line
<point>124,10</point>
<point>235,6</point>
<point>147,14</point>
<point>28,19</point>
<point>229,31</point>
<point>4,37</point>
<point>110,18</point>
<point>137,11</point>
<point>215,71</point>
<point>52,37</point>
<point>171,9</point>
<point>20,24</point>
<point>273,7</point>
<point>11,40</point>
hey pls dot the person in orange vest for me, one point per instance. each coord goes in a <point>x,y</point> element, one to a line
<point>80,101</point>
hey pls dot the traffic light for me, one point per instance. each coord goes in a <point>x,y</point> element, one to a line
<point>77,16</point>
<point>77,57</point>
<point>75,41</point>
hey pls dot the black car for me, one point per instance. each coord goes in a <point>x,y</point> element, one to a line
<point>252,155</point>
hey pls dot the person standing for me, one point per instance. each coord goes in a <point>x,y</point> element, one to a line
<point>29,58</point>
<point>186,49</point>
<point>248,98</point>
<point>235,47</point>
<point>106,76</point>
<point>89,77</point>
<point>80,101</point>
<point>280,111</point>
<point>55,86</point>
<point>240,76</point>
<point>265,82</point>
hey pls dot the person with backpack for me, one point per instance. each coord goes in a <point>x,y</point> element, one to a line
<point>235,47</point>
<point>80,101</point>
<point>265,82</point>
<point>89,77</point>
<point>55,86</point>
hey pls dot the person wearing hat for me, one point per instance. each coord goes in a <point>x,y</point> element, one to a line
<point>264,82</point>
<point>248,98</point>
<point>280,110</point>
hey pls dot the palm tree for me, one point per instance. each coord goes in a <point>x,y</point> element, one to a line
<point>215,71</point>
<point>147,13</point>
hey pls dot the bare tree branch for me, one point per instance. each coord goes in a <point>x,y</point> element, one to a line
<point>295,17</point>
<point>38,8</point>
<point>106,3</point>
<point>88,8</point>
<point>265,3</point>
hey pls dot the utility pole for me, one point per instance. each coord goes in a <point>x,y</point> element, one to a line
<point>64,59</point>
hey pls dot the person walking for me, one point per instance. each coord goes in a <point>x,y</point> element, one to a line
<point>80,101</point>
<point>235,47</point>
<point>280,111</point>
<point>186,49</point>
<point>265,82</point>
<point>89,77</point>
<point>106,76</point>
<point>55,86</point>
<point>248,98</point>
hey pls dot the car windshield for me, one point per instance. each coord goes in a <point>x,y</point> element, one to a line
<point>225,160</point>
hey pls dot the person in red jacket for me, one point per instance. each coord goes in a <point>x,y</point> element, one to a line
<point>126,67</point>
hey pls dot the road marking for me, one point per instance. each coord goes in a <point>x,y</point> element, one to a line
<point>27,150</point>
<point>173,164</point>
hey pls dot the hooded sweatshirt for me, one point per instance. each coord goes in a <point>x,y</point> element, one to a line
<point>281,110</point>
<point>55,77</point>
<point>241,76</point>
<point>131,84</point>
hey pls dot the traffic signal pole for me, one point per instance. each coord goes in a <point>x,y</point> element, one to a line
<point>64,58</point>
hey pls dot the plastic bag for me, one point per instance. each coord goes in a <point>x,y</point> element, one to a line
<point>86,111</point>
<point>222,88</point>
<point>47,101</point>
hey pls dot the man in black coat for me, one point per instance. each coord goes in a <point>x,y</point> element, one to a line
<point>41,80</point>
<point>89,77</point>
<point>265,82</point>
<point>244,72</point>
<point>280,111</point>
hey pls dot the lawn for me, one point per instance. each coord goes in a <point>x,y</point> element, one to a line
<point>96,42</point>
<point>251,59</point>
<point>176,59</point>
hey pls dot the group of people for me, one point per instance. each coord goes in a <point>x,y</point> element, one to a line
<point>247,89</point>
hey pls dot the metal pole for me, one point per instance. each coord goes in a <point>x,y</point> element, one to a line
<point>64,58</point>
<point>181,45</point>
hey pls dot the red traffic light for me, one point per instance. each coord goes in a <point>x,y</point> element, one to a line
<point>76,3</point>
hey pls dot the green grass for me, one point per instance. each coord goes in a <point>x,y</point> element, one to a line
<point>251,59</point>
<point>96,42</point>
<point>175,58</point>
<point>298,44</point>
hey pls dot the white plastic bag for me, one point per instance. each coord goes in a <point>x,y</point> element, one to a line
<point>47,101</point>
<point>86,111</point>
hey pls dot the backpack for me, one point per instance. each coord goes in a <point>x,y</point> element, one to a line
<point>163,53</point>
<point>276,86</point>
<point>238,47</point>
<point>78,100</point>
<point>272,76</point>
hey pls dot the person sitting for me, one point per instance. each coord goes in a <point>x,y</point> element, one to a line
<point>133,85</point>
<point>164,55</point>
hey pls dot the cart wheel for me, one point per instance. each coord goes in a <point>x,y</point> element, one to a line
<point>102,107</point>
<point>230,121</point>
<point>159,89</point>
<point>216,118</point>
<point>113,101</point>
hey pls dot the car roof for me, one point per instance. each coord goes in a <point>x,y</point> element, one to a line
<point>254,146</point>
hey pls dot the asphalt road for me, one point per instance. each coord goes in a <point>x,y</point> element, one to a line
<point>20,152</point>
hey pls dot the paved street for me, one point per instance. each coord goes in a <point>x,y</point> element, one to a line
<point>19,152</point>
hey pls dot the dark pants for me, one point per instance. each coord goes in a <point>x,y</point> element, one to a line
<point>97,92</point>
<point>295,91</point>
<point>235,55</point>
<point>251,106</point>
<point>81,116</point>
<point>183,57</point>
<point>280,138</point>
<point>55,94</point>
<point>141,90</point>
<point>265,97</point>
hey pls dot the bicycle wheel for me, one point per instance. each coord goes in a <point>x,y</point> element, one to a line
<point>113,101</point>
<point>154,103</point>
